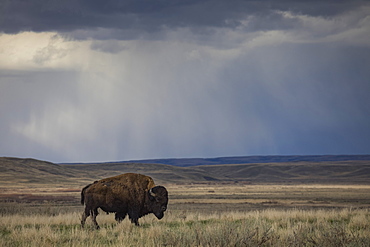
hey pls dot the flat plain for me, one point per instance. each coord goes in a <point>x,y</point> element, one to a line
<point>44,210</point>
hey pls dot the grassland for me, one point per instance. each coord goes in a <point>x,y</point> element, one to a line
<point>39,206</point>
<point>198,215</point>
<point>269,227</point>
<point>31,171</point>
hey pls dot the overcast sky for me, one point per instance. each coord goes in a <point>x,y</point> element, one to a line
<point>88,80</point>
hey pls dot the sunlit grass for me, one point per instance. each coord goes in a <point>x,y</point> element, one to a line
<point>199,215</point>
<point>344,227</point>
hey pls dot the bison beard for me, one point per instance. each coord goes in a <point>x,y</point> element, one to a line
<point>130,193</point>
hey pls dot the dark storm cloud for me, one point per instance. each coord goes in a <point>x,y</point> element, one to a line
<point>118,80</point>
<point>318,102</point>
<point>133,18</point>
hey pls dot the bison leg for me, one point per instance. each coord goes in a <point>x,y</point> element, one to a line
<point>120,216</point>
<point>135,221</point>
<point>85,214</point>
<point>134,217</point>
<point>94,214</point>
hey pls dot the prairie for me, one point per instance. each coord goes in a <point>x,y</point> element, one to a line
<point>268,227</point>
<point>270,204</point>
<point>198,215</point>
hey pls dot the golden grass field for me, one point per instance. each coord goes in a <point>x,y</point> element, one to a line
<point>198,215</point>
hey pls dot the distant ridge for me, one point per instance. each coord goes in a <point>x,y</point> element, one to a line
<point>187,162</point>
<point>329,169</point>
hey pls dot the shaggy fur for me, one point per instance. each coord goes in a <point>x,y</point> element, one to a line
<point>130,193</point>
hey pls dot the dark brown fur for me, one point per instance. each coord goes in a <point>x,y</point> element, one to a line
<point>130,193</point>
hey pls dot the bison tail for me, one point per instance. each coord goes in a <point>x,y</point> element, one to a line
<point>83,194</point>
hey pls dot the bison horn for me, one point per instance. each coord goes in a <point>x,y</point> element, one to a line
<point>151,192</point>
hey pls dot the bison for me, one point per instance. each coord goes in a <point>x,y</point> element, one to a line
<point>130,193</point>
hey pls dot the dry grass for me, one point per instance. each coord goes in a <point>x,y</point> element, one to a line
<point>198,215</point>
<point>248,197</point>
<point>269,227</point>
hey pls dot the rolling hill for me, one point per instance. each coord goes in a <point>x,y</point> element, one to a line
<point>288,170</point>
<point>333,172</point>
<point>186,162</point>
<point>23,171</point>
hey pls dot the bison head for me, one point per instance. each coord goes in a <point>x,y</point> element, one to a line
<point>158,197</point>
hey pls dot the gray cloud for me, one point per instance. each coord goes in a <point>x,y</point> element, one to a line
<point>133,79</point>
<point>25,96</point>
<point>132,18</point>
<point>107,46</point>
